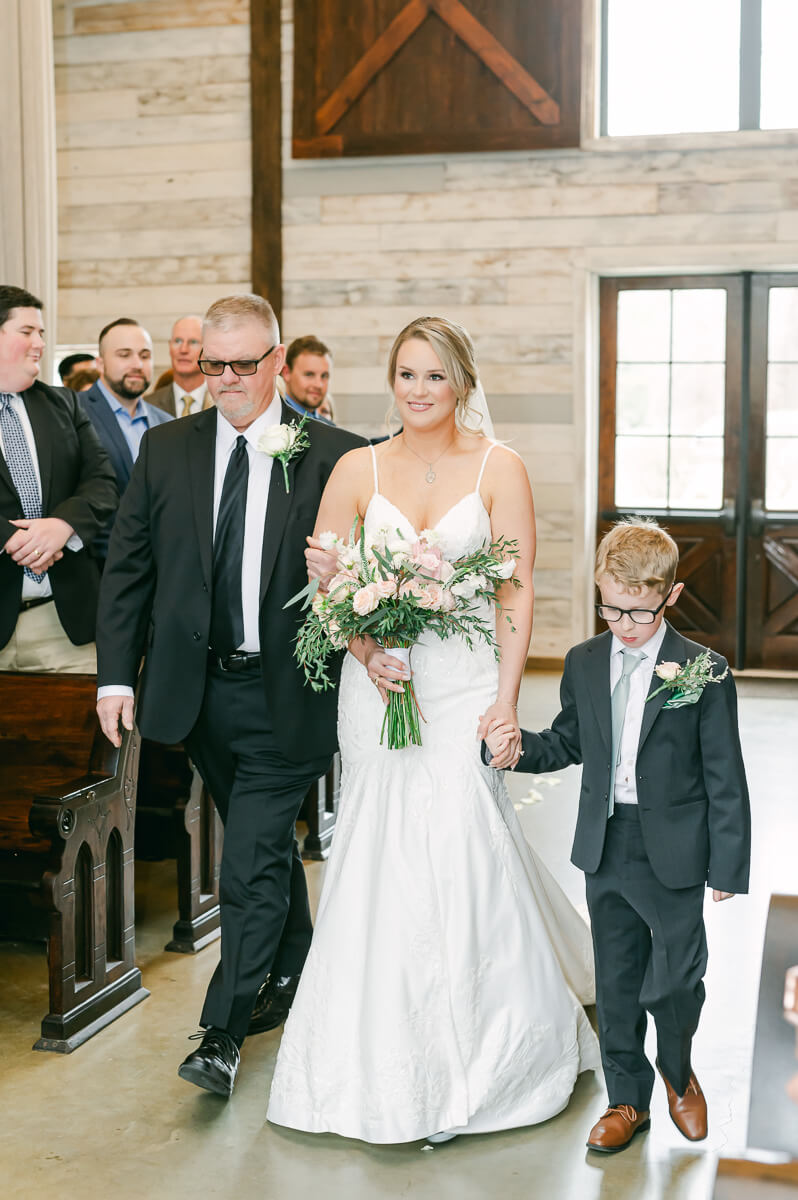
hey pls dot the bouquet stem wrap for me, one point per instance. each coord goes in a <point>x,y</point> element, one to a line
<point>402,713</point>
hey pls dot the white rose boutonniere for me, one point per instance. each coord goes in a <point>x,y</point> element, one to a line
<point>686,682</point>
<point>284,442</point>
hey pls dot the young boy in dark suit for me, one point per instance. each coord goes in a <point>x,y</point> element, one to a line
<point>663,811</point>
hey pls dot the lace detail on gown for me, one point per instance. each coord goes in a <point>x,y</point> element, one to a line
<point>444,981</point>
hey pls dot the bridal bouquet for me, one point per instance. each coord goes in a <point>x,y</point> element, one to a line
<point>395,590</point>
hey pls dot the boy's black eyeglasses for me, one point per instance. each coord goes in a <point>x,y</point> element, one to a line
<point>239,366</point>
<point>640,616</point>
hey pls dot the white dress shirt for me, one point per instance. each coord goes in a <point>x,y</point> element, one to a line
<point>639,686</point>
<point>197,399</point>
<point>260,471</point>
<point>31,590</point>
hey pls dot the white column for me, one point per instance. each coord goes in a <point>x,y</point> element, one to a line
<point>28,201</point>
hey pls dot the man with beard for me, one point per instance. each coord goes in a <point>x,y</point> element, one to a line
<point>220,527</point>
<point>114,404</point>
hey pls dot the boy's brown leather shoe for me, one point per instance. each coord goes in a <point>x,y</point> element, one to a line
<point>688,1112</point>
<point>616,1128</point>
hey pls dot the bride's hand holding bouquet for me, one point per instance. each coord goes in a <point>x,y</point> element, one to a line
<point>387,592</point>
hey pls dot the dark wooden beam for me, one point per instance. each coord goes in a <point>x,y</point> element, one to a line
<point>267,167</point>
<point>403,26</point>
<point>499,60</point>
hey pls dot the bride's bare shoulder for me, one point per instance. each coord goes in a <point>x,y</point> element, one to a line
<point>505,469</point>
<point>353,469</point>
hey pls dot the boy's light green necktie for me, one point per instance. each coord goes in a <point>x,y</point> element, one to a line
<point>619,701</point>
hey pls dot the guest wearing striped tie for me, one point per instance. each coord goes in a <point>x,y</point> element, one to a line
<point>57,492</point>
<point>663,812</point>
<point>187,392</point>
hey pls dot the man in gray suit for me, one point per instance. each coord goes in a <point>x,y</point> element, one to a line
<point>114,403</point>
<point>188,393</point>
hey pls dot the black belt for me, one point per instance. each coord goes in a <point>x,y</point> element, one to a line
<point>627,812</point>
<point>239,660</point>
<point>34,602</point>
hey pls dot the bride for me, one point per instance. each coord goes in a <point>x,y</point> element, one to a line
<point>442,993</point>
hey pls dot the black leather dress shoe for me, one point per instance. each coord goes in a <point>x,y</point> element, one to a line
<point>273,1003</point>
<point>214,1064</point>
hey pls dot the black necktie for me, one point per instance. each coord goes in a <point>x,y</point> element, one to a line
<point>227,610</point>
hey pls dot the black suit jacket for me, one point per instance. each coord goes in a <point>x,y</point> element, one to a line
<point>77,486</point>
<point>691,787</point>
<point>156,589</point>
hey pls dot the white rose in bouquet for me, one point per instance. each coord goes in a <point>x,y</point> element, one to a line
<point>468,586</point>
<point>329,540</point>
<point>506,570</point>
<point>277,439</point>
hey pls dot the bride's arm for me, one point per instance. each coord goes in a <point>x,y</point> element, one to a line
<point>345,497</point>
<point>512,515</point>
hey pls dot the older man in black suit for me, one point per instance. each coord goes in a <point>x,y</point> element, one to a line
<point>207,548</point>
<point>56,493</point>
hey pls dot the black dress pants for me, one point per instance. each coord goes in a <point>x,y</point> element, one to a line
<point>265,914</point>
<point>651,956</point>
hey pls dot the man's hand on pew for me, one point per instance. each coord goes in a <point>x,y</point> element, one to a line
<point>112,709</point>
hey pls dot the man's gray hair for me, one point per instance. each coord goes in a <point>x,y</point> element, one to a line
<point>231,310</point>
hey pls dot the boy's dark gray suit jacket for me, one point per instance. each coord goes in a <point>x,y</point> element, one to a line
<point>691,788</point>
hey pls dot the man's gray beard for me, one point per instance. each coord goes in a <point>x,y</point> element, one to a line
<point>236,414</point>
<point>124,392</point>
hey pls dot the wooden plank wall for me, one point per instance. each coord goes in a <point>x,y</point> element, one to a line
<point>154,179</point>
<point>154,191</point>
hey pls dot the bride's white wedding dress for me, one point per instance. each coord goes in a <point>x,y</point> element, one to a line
<point>443,985</point>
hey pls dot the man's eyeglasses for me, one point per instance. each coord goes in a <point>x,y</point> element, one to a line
<point>640,616</point>
<point>239,366</point>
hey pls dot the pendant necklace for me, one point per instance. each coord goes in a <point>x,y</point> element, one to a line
<point>430,476</point>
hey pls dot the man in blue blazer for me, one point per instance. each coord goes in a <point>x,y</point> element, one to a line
<point>114,404</point>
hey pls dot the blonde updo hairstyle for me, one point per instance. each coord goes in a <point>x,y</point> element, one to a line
<point>455,350</point>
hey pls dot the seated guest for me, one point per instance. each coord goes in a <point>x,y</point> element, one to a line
<point>72,362</point>
<point>81,380</point>
<point>114,403</point>
<point>57,493</point>
<point>186,392</point>
<point>307,369</point>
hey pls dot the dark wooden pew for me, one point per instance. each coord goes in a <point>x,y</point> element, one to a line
<point>773,1117</point>
<point>67,814</point>
<point>319,811</point>
<point>176,818</point>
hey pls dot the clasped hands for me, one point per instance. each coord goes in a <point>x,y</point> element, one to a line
<point>39,542</point>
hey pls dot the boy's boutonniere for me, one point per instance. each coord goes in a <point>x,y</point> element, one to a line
<point>686,682</point>
<point>285,442</point>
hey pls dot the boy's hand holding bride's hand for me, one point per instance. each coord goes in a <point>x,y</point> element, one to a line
<point>502,714</point>
<point>499,741</point>
<point>716,895</point>
<point>322,564</point>
<point>385,671</point>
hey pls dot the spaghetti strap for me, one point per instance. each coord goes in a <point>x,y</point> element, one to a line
<point>374,465</point>
<point>481,469</point>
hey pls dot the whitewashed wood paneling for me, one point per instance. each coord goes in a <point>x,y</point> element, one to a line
<point>154,179</point>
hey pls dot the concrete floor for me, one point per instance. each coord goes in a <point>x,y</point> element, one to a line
<point>114,1120</point>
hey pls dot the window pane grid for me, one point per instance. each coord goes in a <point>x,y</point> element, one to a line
<point>781,415</point>
<point>670,413</point>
